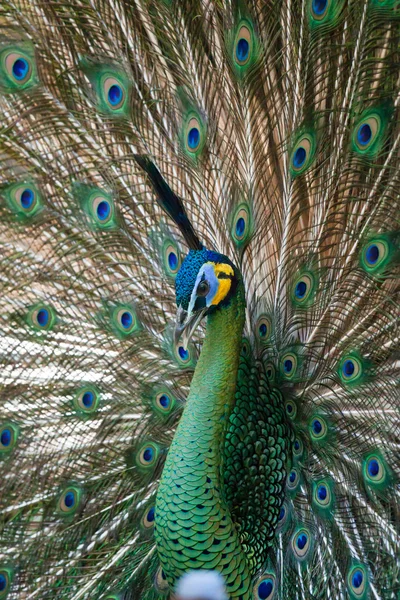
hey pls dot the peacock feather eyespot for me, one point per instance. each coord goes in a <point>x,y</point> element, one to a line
<point>369,132</point>
<point>288,365</point>
<point>318,428</point>
<point>264,329</point>
<point>270,371</point>
<point>302,153</point>
<point>283,518</point>
<point>265,586</point>
<point>171,258</point>
<point>97,204</point>
<point>291,409</point>
<point>24,199</point>
<point>301,544</point>
<point>9,433</point>
<point>18,68</point>
<point>160,581</point>
<point>241,228</point>
<point>193,134</point>
<point>375,255</point>
<point>322,496</point>
<point>41,317</point>
<point>163,402</point>
<point>102,209</point>
<point>357,581</point>
<point>293,480</point>
<point>147,456</point>
<point>350,369</point>
<point>124,320</point>
<point>324,13</point>
<point>69,500</point>
<point>110,87</point>
<point>303,290</point>
<point>183,355</point>
<point>86,400</point>
<point>114,93</point>
<point>243,46</point>
<point>319,8</point>
<point>298,448</point>
<point>148,518</point>
<point>6,578</point>
<point>375,471</point>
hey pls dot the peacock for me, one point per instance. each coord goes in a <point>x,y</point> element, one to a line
<point>199,308</point>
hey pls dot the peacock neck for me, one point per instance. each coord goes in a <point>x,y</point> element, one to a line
<point>212,391</point>
<point>194,529</point>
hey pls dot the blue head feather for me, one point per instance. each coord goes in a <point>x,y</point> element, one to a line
<point>187,274</point>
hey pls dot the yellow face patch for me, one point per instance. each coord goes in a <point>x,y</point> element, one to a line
<point>224,283</point>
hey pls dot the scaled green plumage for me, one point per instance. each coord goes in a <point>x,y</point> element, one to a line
<point>238,161</point>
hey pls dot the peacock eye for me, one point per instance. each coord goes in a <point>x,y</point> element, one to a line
<point>203,288</point>
<point>114,93</point>
<point>18,67</point>
<point>319,8</point>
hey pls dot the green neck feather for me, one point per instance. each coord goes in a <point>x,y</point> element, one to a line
<point>194,528</point>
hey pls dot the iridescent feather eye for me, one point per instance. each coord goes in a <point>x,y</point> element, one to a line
<point>301,544</point>
<point>369,132</point>
<point>24,199</point>
<point>243,46</point>
<point>350,369</point>
<point>149,518</point>
<point>9,433</point>
<point>318,428</point>
<point>293,480</point>
<point>147,456</point>
<point>241,227</point>
<point>110,87</point>
<point>270,371</point>
<point>302,154</point>
<point>365,133</point>
<point>264,588</point>
<point>375,255</point>
<point>194,135</point>
<point>102,209</point>
<point>298,448</point>
<point>6,577</point>
<point>357,582</point>
<point>69,500</point>
<point>319,8</point>
<point>288,365</point>
<point>114,92</point>
<point>303,289</point>
<point>183,354</point>
<point>87,400</point>
<point>375,471</point>
<point>171,258</point>
<point>18,69</point>
<point>291,409</point>
<point>164,402</point>
<point>160,581</point>
<point>264,329</point>
<point>322,497</point>
<point>125,321</point>
<point>41,317</point>
<point>324,13</point>
<point>283,517</point>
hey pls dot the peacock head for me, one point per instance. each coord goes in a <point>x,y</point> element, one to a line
<point>206,282</point>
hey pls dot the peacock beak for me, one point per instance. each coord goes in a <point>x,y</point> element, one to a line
<point>186,324</point>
